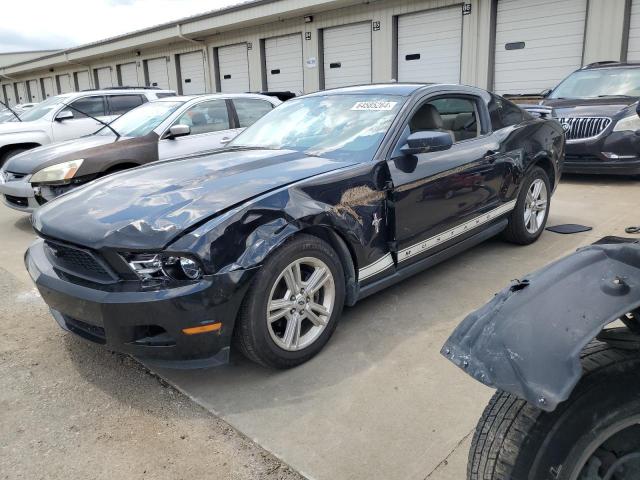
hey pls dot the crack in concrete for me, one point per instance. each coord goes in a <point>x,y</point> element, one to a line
<point>445,460</point>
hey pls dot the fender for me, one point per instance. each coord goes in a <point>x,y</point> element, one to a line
<point>33,136</point>
<point>527,340</point>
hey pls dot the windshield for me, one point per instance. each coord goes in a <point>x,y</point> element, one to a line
<point>599,83</point>
<point>6,116</point>
<point>333,126</point>
<point>40,110</point>
<point>141,120</point>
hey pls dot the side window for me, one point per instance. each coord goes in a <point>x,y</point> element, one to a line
<point>94,106</point>
<point>119,104</point>
<point>454,115</point>
<point>503,113</point>
<point>250,110</point>
<point>205,117</point>
<point>165,94</point>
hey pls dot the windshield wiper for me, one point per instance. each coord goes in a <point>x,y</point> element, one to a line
<point>11,110</point>
<point>108,125</point>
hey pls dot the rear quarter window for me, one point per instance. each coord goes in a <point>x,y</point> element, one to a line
<point>119,104</point>
<point>249,110</point>
<point>504,113</point>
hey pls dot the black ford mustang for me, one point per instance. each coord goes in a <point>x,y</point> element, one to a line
<point>327,199</point>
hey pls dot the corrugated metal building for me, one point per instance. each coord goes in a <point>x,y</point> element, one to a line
<point>510,46</point>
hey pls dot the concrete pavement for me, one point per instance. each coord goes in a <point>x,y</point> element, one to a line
<point>379,402</point>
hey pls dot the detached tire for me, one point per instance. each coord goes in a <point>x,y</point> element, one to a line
<point>529,217</point>
<point>582,439</point>
<point>293,304</point>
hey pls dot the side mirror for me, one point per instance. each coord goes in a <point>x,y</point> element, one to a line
<point>64,115</point>
<point>545,93</point>
<point>427,141</point>
<point>178,131</point>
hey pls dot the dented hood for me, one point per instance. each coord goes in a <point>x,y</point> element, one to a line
<point>147,207</point>
<point>527,340</point>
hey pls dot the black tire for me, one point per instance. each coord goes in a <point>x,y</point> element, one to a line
<point>516,441</point>
<point>251,334</point>
<point>516,231</point>
<point>11,153</point>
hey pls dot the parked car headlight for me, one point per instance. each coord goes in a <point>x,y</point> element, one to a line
<point>630,123</point>
<point>57,173</point>
<point>161,266</point>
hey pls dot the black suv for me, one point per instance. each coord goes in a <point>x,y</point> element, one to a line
<point>596,106</point>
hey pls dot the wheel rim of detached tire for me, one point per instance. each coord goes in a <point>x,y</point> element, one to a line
<point>612,455</point>
<point>300,303</point>
<point>535,206</point>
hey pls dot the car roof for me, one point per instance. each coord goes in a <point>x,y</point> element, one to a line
<point>400,89</point>
<point>113,91</point>
<point>610,64</point>
<point>188,98</point>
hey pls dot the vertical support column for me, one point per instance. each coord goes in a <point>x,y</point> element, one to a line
<point>476,62</point>
<point>311,57</point>
<point>382,42</point>
<point>605,31</point>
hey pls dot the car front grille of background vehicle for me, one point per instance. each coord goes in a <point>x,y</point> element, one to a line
<point>17,201</point>
<point>11,176</point>
<point>78,262</point>
<point>580,128</point>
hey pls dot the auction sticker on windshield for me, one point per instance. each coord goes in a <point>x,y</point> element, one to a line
<point>380,105</point>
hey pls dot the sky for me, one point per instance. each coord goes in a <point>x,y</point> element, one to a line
<point>58,24</point>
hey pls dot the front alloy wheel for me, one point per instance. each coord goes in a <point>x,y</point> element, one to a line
<point>293,304</point>
<point>301,303</point>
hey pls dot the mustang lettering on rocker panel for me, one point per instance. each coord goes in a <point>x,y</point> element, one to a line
<point>386,261</point>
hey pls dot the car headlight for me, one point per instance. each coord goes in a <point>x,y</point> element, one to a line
<point>164,266</point>
<point>630,123</point>
<point>57,173</point>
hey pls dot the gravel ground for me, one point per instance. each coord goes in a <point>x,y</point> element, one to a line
<point>76,411</point>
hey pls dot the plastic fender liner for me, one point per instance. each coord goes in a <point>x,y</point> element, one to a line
<point>527,340</point>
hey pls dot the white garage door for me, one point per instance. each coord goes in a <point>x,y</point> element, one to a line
<point>192,73</point>
<point>47,84</point>
<point>82,80</point>
<point>429,46</point>
<point>538,43</point>
<point>34,91</point>
<point>157,72</point>
<point>283,60</point>
<point>128,74</point>
<point>22,92</point>
<point>105,80</point>
<point>9,96</point>
<point>633,51</point>
<point>233,65</point>
<point>64,83</point>
<point>347,55</point>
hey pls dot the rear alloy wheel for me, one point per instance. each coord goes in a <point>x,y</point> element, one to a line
<point>293,304</point>
<point>529,217</point>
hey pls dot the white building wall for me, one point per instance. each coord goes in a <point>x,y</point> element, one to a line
<point>605,38</point>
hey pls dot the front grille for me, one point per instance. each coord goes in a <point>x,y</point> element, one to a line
<point>17,201</point>
<point>581,158</point>
<point>580,128</point>
<point>75,261</point>
<point>11,176</point>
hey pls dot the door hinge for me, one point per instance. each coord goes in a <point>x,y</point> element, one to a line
<point>388,186</point>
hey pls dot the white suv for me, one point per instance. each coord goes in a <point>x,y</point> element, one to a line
<point>61,117</point>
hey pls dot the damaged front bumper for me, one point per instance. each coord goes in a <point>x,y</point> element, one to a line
<point>148,324</point>
<point>527,340</point>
